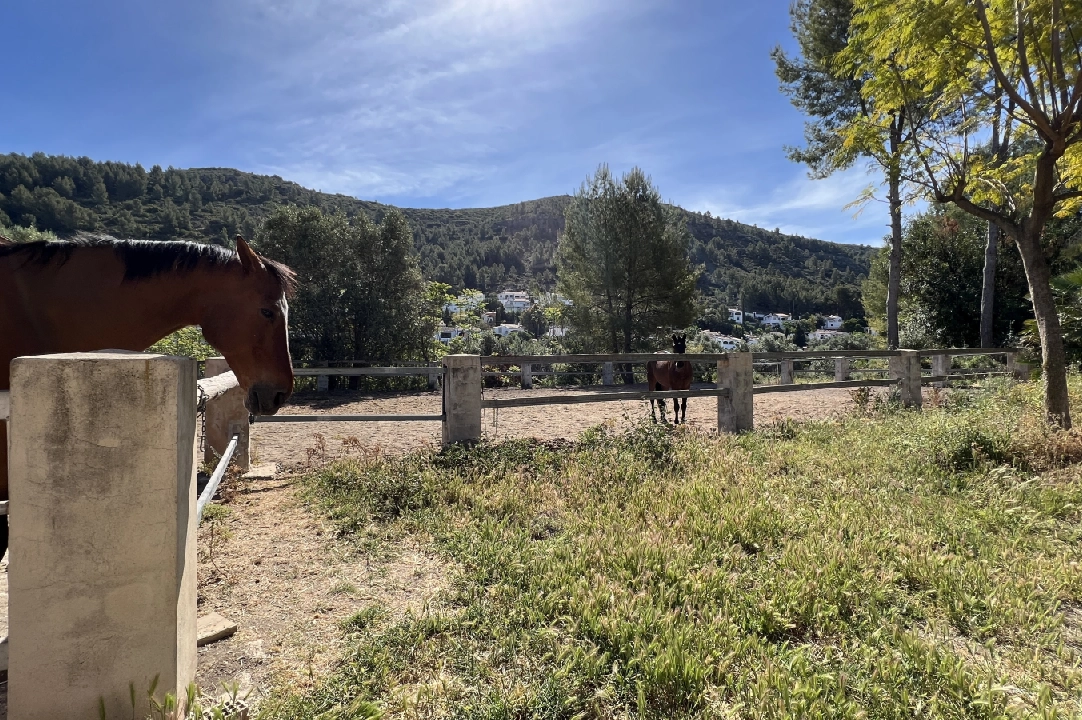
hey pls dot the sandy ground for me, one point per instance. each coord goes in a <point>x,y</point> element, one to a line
<point>291,444</point>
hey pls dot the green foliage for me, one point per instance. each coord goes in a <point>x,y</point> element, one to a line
<point>491,249</point>
<point>902,565</point>
<point>186,342</point>
<point>942,265</point>
<point>623,263</point>
<point>360,293</point>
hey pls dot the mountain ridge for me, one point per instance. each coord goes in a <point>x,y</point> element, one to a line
<point>486,248</point>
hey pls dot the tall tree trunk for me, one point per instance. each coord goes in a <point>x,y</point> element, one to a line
<point>894,198</point>
<point>629,372</point>
<point>1054,358</point>
<point>894,278</point>
<point>988,286</point>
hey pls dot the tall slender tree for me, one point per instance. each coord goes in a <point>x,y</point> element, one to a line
<point>845,124</point>
<point>955,56</point>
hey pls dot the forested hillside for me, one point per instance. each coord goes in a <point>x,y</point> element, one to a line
<point>485,248</point>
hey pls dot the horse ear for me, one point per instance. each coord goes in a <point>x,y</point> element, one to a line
<point>674,337</point>
<point>248,259</point>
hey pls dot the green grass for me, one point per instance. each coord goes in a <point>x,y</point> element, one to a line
<point>894,566</point>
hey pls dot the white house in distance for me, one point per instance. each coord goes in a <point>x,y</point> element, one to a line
<point>469,300</point>
<point>825,334</point>
<point>514,300</point>
<point>447,334</point>
<point>557,331</point>
<point>832,322</point>
<point>774,320</point>
<point>505,329</point>
<point>736,315</point>
<point>489,318</point>
<point>727,342</point>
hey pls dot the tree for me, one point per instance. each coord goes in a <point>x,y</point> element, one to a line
<point>845,123</point>
<point>360,295</point>
<point>957,57</point>
<point>623,263</point>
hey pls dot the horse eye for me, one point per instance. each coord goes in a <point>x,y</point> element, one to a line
<point>269,314</point>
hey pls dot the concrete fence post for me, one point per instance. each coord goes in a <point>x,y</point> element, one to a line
<point>1020,371</point>
<point>433,378</point>
<point>323,382</point>
<point>527,376</point>
<point>461,398</point>
<point>905,368</point>
<point>941,365</point>
<point>842,369</point>
<point>736,413</point>
<point>102,582</point>
<point>226,416</point>
<point>606,373</point>
<point>786,372</point>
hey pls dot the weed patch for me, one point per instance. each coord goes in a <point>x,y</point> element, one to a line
<point>895,565</point>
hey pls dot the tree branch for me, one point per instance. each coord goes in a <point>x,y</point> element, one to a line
<point>1069,195</point>
<point>1037,115</point>
<point>1057,52</point>
<point>1005,224</point>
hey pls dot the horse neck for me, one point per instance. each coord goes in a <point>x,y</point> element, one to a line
<point>98,312</point>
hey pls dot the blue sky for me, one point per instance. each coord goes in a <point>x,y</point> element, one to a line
<point>431,103</point>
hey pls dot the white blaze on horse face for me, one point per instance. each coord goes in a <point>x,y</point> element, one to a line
<point>283,307</point>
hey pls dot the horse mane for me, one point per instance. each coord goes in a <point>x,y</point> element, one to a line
<point>144,259</point>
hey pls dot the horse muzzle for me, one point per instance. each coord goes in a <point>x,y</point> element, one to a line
<point>265,400</point>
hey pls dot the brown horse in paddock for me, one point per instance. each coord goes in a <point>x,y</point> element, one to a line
<point>670,375</point>
<point>99,293</point>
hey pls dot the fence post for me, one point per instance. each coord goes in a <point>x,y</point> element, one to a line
<point>1020,371</point>
<point>226,416</point>
<point>102,581</point>
<point>606,373</point>
<point>787,372</point>
<point>905,368</point>
<point>941,365</point>
<point>323,382</point>
<point>461,398</point>
<point>433,378</point>
<point>527,376</point>
<point>842,368</point>
<point>736,413</point>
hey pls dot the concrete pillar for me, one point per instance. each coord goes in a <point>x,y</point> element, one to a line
<point>606,373</point>
<point>433,378</point>
<point>527,376</point>
<point>1020,371</point>
<point>323,383</point>
<point>941,365</point>
<point>905,368</point>
<point>102,581</point>
<point>786,372</point>
<point>736,413</point>
<point>461,398</point>
<point>842,368</point>
<point>226,416</point>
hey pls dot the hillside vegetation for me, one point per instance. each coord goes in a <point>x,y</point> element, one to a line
<point>485,248</point>
<point>897,565</point>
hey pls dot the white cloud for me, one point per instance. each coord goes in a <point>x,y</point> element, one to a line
<point>802,206</point>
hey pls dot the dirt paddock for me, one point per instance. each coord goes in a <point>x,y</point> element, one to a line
<point>289,444</point>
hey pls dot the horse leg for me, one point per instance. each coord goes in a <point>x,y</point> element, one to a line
<point>652,415</point>
<point>684,410</point>
<point>661,404</point>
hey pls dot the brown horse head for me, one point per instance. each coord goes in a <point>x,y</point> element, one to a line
<point>249,324</point>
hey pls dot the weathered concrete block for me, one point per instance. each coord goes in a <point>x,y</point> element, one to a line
<point>461,398</point>
<point>102,579</point>
<point>527,376</point>
<point>606,373</point>
<point>842,369</point>
<point>786,372</point>
<point>941,365</point>
<point>226,416</point>
<point>905,368</point>
<point>736,413</point>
